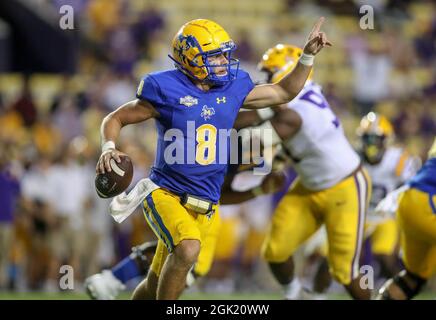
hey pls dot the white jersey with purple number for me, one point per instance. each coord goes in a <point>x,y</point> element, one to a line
<point>321,153</point>
<point>395,168</point>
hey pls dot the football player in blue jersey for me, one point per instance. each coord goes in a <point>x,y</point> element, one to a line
<point>192,105</point>
<point>416,217</point>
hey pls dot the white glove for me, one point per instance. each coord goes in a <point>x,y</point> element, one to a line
<point>389,205</point>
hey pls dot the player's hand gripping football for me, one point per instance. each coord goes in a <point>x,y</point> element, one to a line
<point>103,164</point>
<point>273,182</point>
<point>317,39</point>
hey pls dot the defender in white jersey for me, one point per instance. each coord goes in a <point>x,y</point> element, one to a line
<point>321,154</point>
<point>389,167</point>
<point>332,188</point>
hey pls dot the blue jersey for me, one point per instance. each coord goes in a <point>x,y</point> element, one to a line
<point>191,148</point>
<point>425,179</point>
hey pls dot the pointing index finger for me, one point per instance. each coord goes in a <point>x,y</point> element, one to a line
<point>317,26</point>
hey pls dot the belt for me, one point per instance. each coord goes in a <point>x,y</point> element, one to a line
<point>197,204</point>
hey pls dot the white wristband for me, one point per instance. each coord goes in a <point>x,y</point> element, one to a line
<point>107,145</point>
<point>307,59</point>
<point>265,113</point>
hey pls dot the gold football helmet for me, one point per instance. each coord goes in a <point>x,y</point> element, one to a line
<point>195,43</point>
<point>375,132</point>
<point>279,60</point>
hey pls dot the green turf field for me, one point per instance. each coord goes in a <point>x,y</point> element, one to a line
<point>190,296</point>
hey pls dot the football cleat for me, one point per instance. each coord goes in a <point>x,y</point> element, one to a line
<point>306,294</point>
<point>103,286</point>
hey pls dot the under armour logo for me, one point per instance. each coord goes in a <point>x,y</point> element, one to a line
<point>223,100</point>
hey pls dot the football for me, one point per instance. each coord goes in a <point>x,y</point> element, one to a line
<point>111,184</point>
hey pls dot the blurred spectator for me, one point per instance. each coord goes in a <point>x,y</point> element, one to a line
<point>416,119</point>
<point>37,182</point>
<point>371,66</point>
<point>46,137</point>
<point>67,118</point>
<point>425,43</point>
<point>245,50</point>
<point>9,192</point>
<point>2,106</point>
<point>428,118</point>
<point>73,186</point>
<point>119,90</point>
<point>403,81</point>
<point>104,15</point>
<point>40,194</point>
<point>40,265</point>
<point>146,27</point>
<point>398,8</point>
<point>122,49</point>
<point>25,105</point>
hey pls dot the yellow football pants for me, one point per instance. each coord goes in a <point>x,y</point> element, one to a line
<point>416,217</point>
<point>172,223</point>
<point>385,238</point>
<point>342,208</point>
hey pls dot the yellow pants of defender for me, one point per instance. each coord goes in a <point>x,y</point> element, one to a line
<point>342,208</point>
<point>228,238</point>
<point>417,222</point>
<point>384,238</point>
<point>172,223</point>
<point>230,242</point>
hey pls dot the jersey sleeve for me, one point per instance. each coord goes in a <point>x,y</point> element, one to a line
<point>149,90</point>
<point>245,84</point>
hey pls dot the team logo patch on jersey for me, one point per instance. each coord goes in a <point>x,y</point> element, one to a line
<point>222,100</point>
<point>188,101</point>
<point>207,113</point>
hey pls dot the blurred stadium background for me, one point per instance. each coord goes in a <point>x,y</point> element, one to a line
<point>56,86</point>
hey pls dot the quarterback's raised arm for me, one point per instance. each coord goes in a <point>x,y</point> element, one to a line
<point>285,90</point>
<point>134,111</point>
